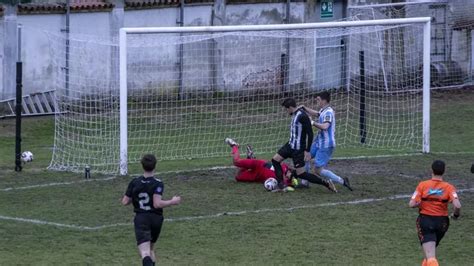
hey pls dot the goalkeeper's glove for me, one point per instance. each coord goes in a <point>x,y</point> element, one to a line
<point>294,182</point>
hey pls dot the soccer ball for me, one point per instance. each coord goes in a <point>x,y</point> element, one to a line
<point>27,156</point>
<point>270,184</point>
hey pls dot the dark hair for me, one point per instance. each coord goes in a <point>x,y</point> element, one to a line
<point>324,95</point>
<point>438,167</point>
<point>289,102</point>
<point>148,162</point>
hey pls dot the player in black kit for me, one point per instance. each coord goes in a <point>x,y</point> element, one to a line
<point>297,148</point>
<point>145,192</point>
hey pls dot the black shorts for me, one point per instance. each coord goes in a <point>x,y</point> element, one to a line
<point>147,227</point>
<point>297,155</point>
<point>431,228</point>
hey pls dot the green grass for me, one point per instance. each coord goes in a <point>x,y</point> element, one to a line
<point>372,233</point>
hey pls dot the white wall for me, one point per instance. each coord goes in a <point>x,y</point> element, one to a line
<point>42,37</point>
<point>1,57</point>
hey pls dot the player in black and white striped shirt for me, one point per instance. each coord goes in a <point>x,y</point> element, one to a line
<point>298,147</point>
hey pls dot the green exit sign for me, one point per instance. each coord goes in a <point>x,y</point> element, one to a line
<point>327,8</point>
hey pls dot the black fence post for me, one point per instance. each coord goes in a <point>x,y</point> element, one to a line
<point>18,116</point>
<point>362,123</point>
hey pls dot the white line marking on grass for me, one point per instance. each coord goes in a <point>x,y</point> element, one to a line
<point>57,184</point>
<point>327,204</point>
<point>40,222</point>
<point>217,215</point>
<point>103,179</point>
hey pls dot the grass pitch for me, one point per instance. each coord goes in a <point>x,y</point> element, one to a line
<point>53,218</point>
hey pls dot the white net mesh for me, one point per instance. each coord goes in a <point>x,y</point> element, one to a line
<point>187,92</point>
<point>452,28</point>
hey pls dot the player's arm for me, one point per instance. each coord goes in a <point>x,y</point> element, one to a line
<point>158,201</point>
<point>127,198</point>
<point>457,208</point>
<point>415,198</point>
<point>309,111</point>
<point>327,120</point>
<point>308,136</point>
<point>413,203</point>
<point>456,204</point>
<point>307,131</point>
<point>322,126</point>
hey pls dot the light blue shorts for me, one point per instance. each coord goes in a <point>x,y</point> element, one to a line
<point>321,155</point>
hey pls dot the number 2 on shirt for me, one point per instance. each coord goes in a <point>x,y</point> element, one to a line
<point>144,200</point>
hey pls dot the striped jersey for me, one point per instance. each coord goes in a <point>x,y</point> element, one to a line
<point>327,138</point>
<point>301,133</point>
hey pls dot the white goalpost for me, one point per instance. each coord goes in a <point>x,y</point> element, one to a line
<point>178,92</point>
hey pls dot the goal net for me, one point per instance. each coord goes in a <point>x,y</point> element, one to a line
<point>178,92</point>
<point>452,63</point>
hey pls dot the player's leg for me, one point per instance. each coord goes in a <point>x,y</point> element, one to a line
<point>441,228</point>
<point>235,153</point>
<point>302,174</point>
<point>248,164</point>
<point>144,249</point>
<point>152,253</point>
<point>243,163</point>
<point>427,236</point>
<point>299,163</point>
<point>143,237</point>
<point>322,158</point>
<point>283,153</point>
<point>231,142</point>
<point>245,175</point>
<point>157,223</point>
<point>429,248</point>
<point>250,154</point>
<point>303,183</point>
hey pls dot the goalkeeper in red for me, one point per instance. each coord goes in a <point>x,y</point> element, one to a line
<point>252,169</point>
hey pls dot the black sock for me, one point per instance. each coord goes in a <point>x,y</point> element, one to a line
<point>147,261</point>
<point>278,172</point>
<point>311,178</point>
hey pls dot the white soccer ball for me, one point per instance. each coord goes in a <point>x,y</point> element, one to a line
<point>270,184</point>
<point>27,156</point>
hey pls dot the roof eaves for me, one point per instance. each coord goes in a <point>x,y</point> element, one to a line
<point>61,8</point>
<point>97,6</point>
<point>134,4</point>
<point>40,8</point>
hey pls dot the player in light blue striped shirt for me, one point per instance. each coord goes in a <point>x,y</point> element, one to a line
<point>325,142</point>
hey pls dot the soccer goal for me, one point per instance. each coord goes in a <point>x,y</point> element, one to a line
<point>178,92</point>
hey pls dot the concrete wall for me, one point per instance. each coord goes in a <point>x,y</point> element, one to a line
<point>43,51</point>
<point>2,37</point>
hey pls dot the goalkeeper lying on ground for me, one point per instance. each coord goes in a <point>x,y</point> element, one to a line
<point>255,170</point>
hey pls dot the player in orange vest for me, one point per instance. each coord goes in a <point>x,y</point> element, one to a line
<point>432,198</point>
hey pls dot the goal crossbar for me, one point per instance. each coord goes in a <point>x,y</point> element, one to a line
<point>425,21</point>
<point>298,26</point>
